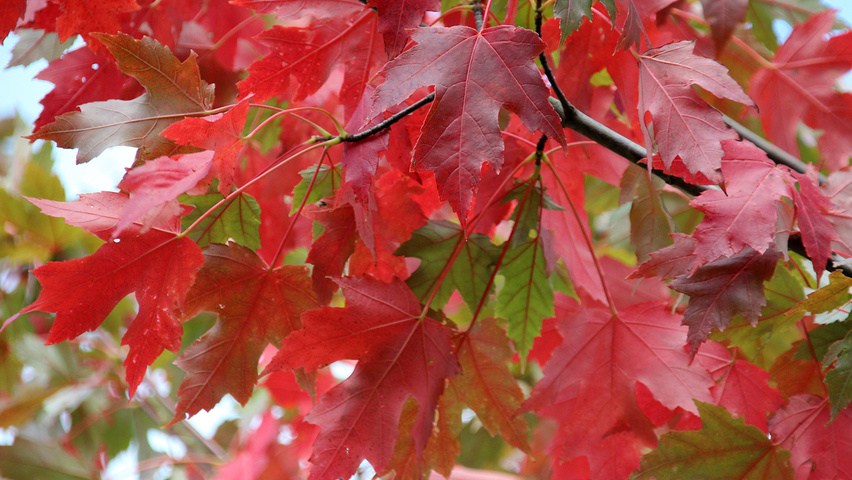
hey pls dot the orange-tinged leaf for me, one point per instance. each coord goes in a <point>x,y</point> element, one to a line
<point>256,304</point>
<point>487,386</point>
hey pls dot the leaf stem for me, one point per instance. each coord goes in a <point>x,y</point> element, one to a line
<point>305,148</point>
<point>298,214</point>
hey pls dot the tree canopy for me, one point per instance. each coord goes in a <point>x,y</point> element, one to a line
<point>423,238</point>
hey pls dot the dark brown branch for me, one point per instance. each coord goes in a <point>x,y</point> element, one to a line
<point>379,127</point>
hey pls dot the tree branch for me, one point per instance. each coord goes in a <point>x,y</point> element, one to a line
<point>379,127</point>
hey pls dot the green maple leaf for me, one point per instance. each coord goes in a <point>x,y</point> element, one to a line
<point>724,448</point>
<point>572,12</point>
<point>839,378</point>
<point>434,244</point>
<point>526,298</point>
<point>237,220</point>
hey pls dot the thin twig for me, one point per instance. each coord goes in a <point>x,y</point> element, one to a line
<point>357,137</point>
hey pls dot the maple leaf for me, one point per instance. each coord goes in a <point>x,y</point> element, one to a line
<point>817,445</point>
<point>638,11</point>
<point>723,448</point>
<point>237,220</point>
<point>650,224</point>
<point>526,298</point>
<point>256,304</point>
<point>10,13</point>
<point>487,386</point>
<point>221,133</point>
<point>173,88</point>
<point>399,354</point>
<point>306,56</point>
<point>78,16</point>
<point>475,74</point>
<point>724,16</point>
<point>741,387</point>
<point>839,378</point>
<point>572,12</point>
<point>570,224</point>
<point>804,71</point>
<point>434,244</point>
<point>158,183</point>
<point>396,17</point>
<point>725,287</point>
<point>812,215</point>
<point>744,216</point>
<point>99,213</point>
<point>684,125</point>
<point>331,250</point>
<point>82,76</point>
<point>157,267</point>
<point>642,343</point>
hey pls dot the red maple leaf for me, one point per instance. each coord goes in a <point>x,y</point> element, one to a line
<point>746,213</point>
<point>10,12</point>
<point>819,446</point>
<point>725,287</point>
<point>158,183</point>
<point>475,73</point>
<point>724,16</point>
<point>82,76</point>
<point>221,133</point>
<point>813,210</point>
<point>640,343</point>
<point>741,387</point>
<point>684,125</point>
<point>396,17</point>
<point>256,304</point>
<point>303,58</point>
<point>399,354</point>
<point>157,267</point>
<point>99,213</point>
<point>78,16</point>
<point>805,71</point>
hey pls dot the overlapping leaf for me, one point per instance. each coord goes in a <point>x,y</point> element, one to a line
<point>221,133</point>
<point>257,305</point>
<point>684,125</point>
<point>174,88</point>
<point>434,245</point>
<point>399,354</point>
<point>804,71</point>
<point>157,267</point>
<point>303,58</point>
<point>474,74</point>
<point>723,448</point>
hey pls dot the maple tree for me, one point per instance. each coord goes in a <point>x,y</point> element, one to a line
<point>561,239</point>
